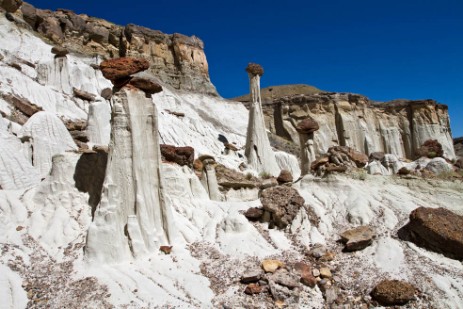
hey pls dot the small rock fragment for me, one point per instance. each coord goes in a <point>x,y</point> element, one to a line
<point>325,272</point>
<point>251,276</point>
<point>270,266</point>
<point>59,51</point>
<point>254,213</point>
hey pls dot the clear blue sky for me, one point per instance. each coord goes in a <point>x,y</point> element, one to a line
<point>383,49</point>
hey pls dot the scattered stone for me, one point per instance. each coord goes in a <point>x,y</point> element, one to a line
<point>251,276</point>
<point>166,249</point>
<point>270,266</point>
<point>229,178</point>
<point>358,238</point>
<point>285,278</point>
<point>180,155</point>
<point>253,288</point>
<point>316,272</point>
<point>305,272</point>
<point>255,69</point>
<point>328,256</point>
<point>285,177</point>
<point>393,292</point>
<point>325,272</point>
<point>177,114</point>
<point>307,126</point>
<point>254,213</point>
<point>330,295</point>
<point>59,51</point>
<point>436,229</point>
<point>120,68</point>
<point>84,95</point>
<point>283,203</point>
<point>106,93</point>
<point>19,228</point>
<point>75,125</point>
<point>317,251</point>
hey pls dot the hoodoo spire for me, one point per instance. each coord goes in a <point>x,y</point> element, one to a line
<point>258,151</point>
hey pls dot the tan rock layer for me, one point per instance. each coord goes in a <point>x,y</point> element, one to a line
<point>177,60</point>
<point>399,127</point>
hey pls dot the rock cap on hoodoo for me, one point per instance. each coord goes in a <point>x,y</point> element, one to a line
<point>120,68</point>
<point>255,69</point>
<point>307,126</point>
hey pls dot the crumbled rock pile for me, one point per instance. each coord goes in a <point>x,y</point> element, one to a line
<point>339,159</point>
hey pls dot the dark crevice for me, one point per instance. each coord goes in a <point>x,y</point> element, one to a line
<point>89,176</point>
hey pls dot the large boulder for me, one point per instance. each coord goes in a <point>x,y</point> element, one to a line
<point>437,229</point>
<point>283,203</point>
<point>121,68</point>
<point>393,292</point>
<point>180,155</point>
<point>438,166</point>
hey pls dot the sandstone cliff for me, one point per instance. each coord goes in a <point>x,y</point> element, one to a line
<point>176,59</point>
<point>398,127</point>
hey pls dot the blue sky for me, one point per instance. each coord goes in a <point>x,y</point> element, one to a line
<point>385,50</point>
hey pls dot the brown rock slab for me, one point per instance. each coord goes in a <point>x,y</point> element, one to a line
<point>84,95</point>
<point>358,238</point>
<point>305,272</point>
<point>378,156</point>
<point>180,155</point>
<point>393,292</point>
<point>270,266</point>
<point>251,276</point>
<point>436,229</point>
<point>285,177</point>
<point>255,69</point>
<point>147,85</point>
<point>59,51</point>
<point>285,278</point>
<point>307,126</point>
<point>120,68</point>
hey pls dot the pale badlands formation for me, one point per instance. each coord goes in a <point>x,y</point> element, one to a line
<point>129,183</point>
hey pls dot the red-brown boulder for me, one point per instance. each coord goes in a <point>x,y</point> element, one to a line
<point>147,85</point>
<point>393,292</point>
<point>431,149</point>
<point>437,229</point>
<point>122,68</point>
<point>255,69</point>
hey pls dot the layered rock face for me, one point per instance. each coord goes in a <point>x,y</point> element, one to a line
<point>176,59</point>
<point>398,127</point>
<point>132,218</point>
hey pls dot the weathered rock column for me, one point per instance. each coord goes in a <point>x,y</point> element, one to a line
<point>132,218</point>
<point>258,150</point>
<point>306,129</point>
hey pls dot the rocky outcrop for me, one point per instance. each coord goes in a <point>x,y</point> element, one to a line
<point>339,159</point>
<point>257,150</point>
<point>435,229</point>
<point>10,6</point>
<point>176,59</point>
<point>134,219</point>
<point>398,127</point>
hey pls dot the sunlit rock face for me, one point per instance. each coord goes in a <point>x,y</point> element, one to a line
<point>176,59</point>
<point>132,218</point>
<point>398,127</point>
